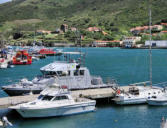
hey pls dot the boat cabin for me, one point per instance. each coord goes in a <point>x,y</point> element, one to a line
<point>134,91</point>
<point>55,93</point>
<point>70,74</point>
<point>53,98</point>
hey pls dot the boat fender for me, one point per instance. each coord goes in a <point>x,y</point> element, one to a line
<point>80,95</point>
<point>64,87</point>
<point>118,91</point>
<point>2,60</point>
<point>6,121</point>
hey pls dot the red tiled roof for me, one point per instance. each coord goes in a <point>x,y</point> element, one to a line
<point>163,31</point>
<point>149,34</point>
<point>93,29</point>
<point>143,27</point>
<point>103,41</point>
<point>165,24</point>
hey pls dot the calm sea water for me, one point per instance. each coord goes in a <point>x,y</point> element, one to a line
<point>126,66</point>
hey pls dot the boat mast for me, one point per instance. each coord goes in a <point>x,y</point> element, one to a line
<point>150,46</point>
<point>78,42</point>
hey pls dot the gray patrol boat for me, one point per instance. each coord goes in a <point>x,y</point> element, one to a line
<point>67,73</point>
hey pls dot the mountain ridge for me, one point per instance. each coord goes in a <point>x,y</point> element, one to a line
<point>114,16</point>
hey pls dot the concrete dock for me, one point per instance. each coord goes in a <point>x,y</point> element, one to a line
<point>98,93</point>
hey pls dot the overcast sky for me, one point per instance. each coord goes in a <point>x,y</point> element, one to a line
<point>3,1</point>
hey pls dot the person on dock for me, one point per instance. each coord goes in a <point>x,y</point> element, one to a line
<point>4,122</point>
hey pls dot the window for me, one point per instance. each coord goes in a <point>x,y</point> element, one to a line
<point>81,72</point>
<point>154,44</point>
<point>40,97</point>
<point>63,73</point>
<point>59,73</point>
<point>49,73</point>
<point>154,97</point>
<point>52,73</point>
<point>47,98</point>
<point>76,72</point>
<point>24,57</point>
<point>60,98</point>
<point>69,73</point>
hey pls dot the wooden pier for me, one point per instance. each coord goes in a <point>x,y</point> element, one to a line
<point>98,93</point>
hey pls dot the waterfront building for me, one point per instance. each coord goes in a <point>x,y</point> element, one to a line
<point>157,43</point>
<point>130,41</point>
<point>94,29</point>
<point>102,43</point>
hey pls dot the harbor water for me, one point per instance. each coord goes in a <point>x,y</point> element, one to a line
<point>127,66</point>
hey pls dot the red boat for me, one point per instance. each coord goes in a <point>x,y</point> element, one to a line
<point>47,52</point>
<point>22,58</point>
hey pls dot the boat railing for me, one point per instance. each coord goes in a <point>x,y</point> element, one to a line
<point>140,83</point>
<point>162,84</point>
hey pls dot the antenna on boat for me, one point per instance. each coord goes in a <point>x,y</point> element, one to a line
<point>79,43</point>
<point>150,46</point>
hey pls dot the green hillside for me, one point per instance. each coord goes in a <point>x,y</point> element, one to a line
<point>115,17</point>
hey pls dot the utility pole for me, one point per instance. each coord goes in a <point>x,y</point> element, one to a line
<point>150,47</point>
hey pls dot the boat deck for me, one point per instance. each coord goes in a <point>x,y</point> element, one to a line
<point>98,93</point>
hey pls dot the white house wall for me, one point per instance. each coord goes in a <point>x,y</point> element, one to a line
<point>159,43</point>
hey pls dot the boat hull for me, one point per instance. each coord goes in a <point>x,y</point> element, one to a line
<point>157,103</point>
<point>17,92</point>
<point>57,111</point>
<point>131,101</point>
<point>5,65</point>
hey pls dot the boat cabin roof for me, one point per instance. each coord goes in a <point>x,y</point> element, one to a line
<point>54,90</point>
<point>59,66</point>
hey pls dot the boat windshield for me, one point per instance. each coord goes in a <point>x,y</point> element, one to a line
<point>47,98</point>
<point>60,98</point>
<point>40,97</point>
<point>57,73</point>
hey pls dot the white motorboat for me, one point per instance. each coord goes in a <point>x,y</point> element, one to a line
<point>35,58</point>
<point>5,58</point>
<point>3,61</point>
<point>24,86</point>
<point>158,100</point>
<point>3,64</point>
<point>137,95</point>
<point>55,101</point>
